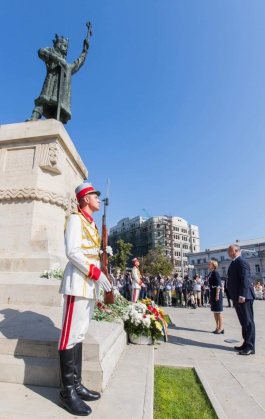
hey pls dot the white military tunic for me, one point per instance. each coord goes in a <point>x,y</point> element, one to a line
<point>79,284</point>
<point>82,245</point>
<point>136,283</point>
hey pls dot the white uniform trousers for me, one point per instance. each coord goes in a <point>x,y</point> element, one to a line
<point>77,313</point>
<point>135,294</point>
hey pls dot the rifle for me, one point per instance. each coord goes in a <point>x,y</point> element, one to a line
<point>108,295</point>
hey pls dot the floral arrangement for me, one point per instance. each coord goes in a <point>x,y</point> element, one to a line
<point>56,271</point>
<point>144,318</point>
<point>111,312</point>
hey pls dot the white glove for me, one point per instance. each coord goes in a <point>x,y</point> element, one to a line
<point>103,282</point>
<point>109,250</point>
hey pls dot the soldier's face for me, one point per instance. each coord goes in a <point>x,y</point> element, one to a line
<point>93,202</point>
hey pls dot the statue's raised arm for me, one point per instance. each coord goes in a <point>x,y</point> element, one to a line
<point>55,98</point>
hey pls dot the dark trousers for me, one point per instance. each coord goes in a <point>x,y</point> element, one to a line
<point>184,291</point>
<point>245,316</point>
<point>160,297</point>
<point>228,297</point>
<point>206,296</point>
<point>179,296</point>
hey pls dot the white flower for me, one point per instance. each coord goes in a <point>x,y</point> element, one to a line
<point>147,321</point>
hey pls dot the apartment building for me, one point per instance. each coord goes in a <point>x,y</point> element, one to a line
<point>173,234</point>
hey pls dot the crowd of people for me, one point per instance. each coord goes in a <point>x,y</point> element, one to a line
<point>168,291</point>
<point>201,292</point>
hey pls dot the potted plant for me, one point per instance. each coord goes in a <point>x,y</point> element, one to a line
<point>144,323</point>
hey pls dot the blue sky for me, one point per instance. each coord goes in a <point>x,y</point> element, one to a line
<point>170,104</point>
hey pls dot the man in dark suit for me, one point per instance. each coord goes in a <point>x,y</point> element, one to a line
<point>242,293</point>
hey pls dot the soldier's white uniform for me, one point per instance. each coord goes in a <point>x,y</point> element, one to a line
<point>82,245</point>
<point>136,282</point>
<point>80,287</point>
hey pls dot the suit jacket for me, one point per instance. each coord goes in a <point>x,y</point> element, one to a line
<point>239,280</point>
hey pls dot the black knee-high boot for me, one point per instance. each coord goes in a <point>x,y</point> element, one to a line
<point>68,396</point>
<point>82,392</point>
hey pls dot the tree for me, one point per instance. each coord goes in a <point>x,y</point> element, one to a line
<point>155,263</point>
<point>119,260</point>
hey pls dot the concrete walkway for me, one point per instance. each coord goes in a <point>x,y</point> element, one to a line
<point>234,383</point>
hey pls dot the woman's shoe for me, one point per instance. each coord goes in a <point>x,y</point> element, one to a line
<point>221,332</point>
<point>215,331</point>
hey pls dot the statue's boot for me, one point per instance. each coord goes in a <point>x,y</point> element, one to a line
<point>82,392</point>
<point>69,399</point>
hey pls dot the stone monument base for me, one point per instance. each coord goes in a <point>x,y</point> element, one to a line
<point>39,171</point>
<point>30,333</point>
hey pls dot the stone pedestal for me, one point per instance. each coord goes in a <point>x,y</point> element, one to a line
<point>39,170</point>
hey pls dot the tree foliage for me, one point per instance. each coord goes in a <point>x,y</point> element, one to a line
<point>155,263</point>
<point>120,258</point>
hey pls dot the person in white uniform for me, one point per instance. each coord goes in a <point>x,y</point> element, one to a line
<point>80,287</point>
<point>136,280</point>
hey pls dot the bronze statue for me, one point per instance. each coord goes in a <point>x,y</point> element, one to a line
<point>55,98</point>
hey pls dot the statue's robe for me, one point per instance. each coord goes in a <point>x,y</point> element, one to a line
<point>48,98</point>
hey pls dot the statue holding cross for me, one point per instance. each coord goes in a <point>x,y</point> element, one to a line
<point>55,98</point>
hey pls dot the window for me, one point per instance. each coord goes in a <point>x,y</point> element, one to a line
<point>223,271</point>
<point>222,258</point>
<point>257,268</point>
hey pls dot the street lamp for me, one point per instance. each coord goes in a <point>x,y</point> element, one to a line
<point>181,260</point>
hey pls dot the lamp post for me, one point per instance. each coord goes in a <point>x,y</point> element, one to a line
<point>181,260</point>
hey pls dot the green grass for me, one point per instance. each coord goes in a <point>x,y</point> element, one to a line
<point>179,394</point>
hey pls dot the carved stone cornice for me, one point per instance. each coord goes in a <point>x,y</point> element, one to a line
<point>11,194</point>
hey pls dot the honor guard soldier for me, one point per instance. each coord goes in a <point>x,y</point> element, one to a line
<point>136,280</point>
<point>80,287</point>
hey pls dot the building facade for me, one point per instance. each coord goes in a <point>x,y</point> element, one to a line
<point>173,234</point>
<point>253,250</point>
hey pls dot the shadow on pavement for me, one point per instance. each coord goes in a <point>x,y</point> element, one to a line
<point>175,340</point>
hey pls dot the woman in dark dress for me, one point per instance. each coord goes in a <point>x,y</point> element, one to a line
<point>216,296</point>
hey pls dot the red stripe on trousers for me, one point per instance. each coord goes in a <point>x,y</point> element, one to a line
<point>134,295</point>
<point>67,322</point>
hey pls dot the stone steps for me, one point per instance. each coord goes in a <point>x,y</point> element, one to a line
<point>28,346</point>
